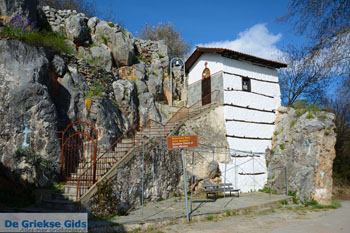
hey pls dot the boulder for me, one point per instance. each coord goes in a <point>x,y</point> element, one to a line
<point>103,57</point>
<point>92,22</point>
<point>58,65</point>
<point>26,8</point>
<point>141,87</point>
<point>120,42</point>
<point>148,109</point>
<point>77,30</point>
<point>125,93</point>
<point>155,86</point>
<point>213,170</point>
<point>305,147</point>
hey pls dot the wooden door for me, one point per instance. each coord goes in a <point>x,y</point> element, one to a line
<point>206,90</point>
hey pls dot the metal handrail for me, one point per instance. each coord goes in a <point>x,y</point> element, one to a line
<point>192,106</point>
<point>100,157</point>
<point>148,123</point>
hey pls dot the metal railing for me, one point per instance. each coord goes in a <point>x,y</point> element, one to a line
<point>185,112</point>
<point>104,163</point>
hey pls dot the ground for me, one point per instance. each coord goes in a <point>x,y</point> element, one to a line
<point>280,220</point>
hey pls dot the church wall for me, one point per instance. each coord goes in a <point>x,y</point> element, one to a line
<point>254,118</point>
<point>195,89</point>
<point>215,64</point>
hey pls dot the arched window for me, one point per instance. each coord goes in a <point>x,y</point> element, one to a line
<point>206,73</point>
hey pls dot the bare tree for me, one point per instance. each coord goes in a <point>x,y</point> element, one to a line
<point>173,39</point>
<point>305,77</point>
<point>323,21</point>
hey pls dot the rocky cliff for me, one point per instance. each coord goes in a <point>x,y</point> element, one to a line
<point>303,145</point>
<point>120,76</point>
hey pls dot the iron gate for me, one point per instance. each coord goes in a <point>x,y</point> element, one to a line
<point>78,150</point>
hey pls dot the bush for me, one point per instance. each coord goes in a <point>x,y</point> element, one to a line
<point>45,166</point>
<point>24,30</point>
<point>104,201</point>
<point>172,37</point>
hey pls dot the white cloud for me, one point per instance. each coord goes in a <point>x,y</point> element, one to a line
<point>257,41</point>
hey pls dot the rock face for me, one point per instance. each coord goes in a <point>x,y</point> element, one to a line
<point>162,171</point>
<point>125,93</point>
<point>112,81</point>
<point>25,99</point>
<point>27,8</point>
<point>304,144</point>
<point>115,50</point>
<point>77,30</point>
<point>211,131</point>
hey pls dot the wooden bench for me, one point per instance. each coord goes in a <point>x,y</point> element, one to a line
<point>219,188</point>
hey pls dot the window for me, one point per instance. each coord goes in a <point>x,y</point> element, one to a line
<point>246,84</point>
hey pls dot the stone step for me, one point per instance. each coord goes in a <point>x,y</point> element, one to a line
<point>128,140</point>
<point>122,149</point>
<point>66,205</point>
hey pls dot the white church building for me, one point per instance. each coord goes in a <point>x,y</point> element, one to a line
<point>249,90</point>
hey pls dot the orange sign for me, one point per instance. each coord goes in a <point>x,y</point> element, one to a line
<point>182,142</point>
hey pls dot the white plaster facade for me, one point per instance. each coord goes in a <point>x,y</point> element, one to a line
<point>249,115</point>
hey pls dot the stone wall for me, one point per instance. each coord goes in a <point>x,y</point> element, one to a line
<point>162,171</point>
<point>304,143</point>
<point>211,131</point>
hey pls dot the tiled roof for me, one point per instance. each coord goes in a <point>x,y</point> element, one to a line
<point>233,55</point>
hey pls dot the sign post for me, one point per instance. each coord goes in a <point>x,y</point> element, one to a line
<point>183,142</point>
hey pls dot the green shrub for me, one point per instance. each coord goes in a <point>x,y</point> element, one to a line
<point>50,40</point>
<point>312,202</point>
<point>31,157</point>
<point>104,39</point>
<point>275,133</point>
<point>284,202</point>
<point>105,202</point>
<point>96,89</point>
<point>210,217</point>
<point>111,24</point>
<point>302,107</point>
<point>310,116</point>
<point>292,124</point>
<point>282,147</point>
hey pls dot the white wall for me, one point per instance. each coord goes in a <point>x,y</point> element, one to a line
<point>243,129</point>
<point>218,63</point>
<point>215,64</point>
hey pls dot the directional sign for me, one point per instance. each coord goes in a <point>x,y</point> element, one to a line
<point>182,142</point>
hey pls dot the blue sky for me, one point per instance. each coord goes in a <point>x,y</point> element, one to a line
<point>248,26</point>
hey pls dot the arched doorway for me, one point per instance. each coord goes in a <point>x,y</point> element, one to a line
<point>206,85</point>
<point>79,148</point>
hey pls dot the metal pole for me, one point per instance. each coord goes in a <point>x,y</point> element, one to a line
<point>185,182</point>
<point>236,172</point>
<point>171,82</point>
<point>286,177</point>
<point>192,180</point>
<point>225,175</point>
<point>185,89</point>
<point>270,173</point>
<point>143,157</point>
<point>253,174</point>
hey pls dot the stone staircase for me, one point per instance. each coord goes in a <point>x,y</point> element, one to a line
<point>87,174</point>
